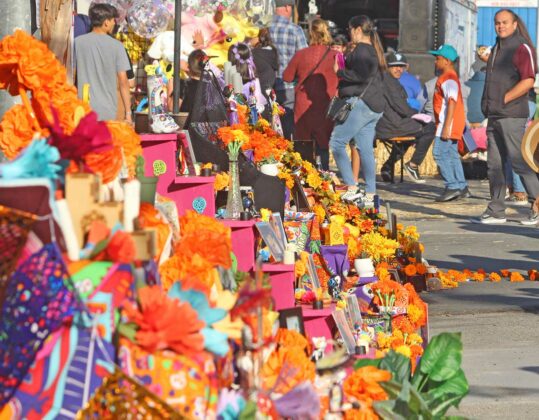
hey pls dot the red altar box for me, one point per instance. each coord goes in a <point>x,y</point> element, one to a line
<point>243,242</point>
<point>188,192</point>
<point>282,279</point>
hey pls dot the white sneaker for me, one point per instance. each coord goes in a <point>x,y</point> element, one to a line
<point>487,219</point>
<point>533,218</point>
<point>351,195</point>
<point>164,123</point>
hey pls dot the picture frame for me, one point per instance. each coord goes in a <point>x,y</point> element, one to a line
<point>185,155</point>
<point>292,319</point>
<point>271,240</point>
<point>313,274</point>
<point>395,273</point>
<point>345,331</point>
<point>276,223</point>
<point>299,196</point>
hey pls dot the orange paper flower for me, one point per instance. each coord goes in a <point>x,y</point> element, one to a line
<point>285,368</point>
<point>165,323</point>
<point>495,277</point>
<point>410,270</point>
<point>516,277</point>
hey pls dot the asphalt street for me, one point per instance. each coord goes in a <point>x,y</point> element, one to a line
<point>498,321</point>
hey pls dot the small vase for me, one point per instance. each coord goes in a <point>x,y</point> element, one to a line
<point>234,205</point>
<point>364,267</point>
<point>270,169</point>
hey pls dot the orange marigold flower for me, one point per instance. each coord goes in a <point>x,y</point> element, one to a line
<point>290,338</point>
<point>421,268</point>
<point>365,412</point>
<point>285,368</point>
<point>402,323</point>
<point>505,273</point>
<point>533,275</point>
<point>410,270</point>
<point>364,384</point>
<point>516,277</point>
<point>495,277</point>
<point>478,276</point>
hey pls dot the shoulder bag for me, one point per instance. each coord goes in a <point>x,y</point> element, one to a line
<point>339,108</point>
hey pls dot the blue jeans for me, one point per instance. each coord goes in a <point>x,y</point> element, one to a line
<point>447,158</point>
<point>359,126</point>
<point>512,179</point>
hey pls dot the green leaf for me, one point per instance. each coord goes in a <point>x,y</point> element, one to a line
<point>442,358</point>
<point>409,404</point>
<point>386,410</point>
<point>457,385</point>
<point>391,388</point>
<point>367,362</point>
<point>439,408</point>
<point>398,365</point>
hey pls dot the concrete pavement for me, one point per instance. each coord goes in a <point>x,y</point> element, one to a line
<point>498,321</point>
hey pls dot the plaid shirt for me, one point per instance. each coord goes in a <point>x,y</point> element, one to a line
<point>288,38</point>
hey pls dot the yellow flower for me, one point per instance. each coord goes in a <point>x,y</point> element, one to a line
<point>341,304</point>
<point>405,350</point>
<point>314,180</point>
<point>319,211</point>
<point>414,338</point>
<point>221,181</point>
<point>208,165</point>
<point>299,294</point>
<point>265,214</point>
<point>337,219</point>
<point>300,269</point>
<point>414,313</point>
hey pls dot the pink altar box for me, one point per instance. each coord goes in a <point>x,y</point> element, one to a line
<point>188,192</point>
<point>319,322</point>
<point>282,279</point>
<point>243,242</point>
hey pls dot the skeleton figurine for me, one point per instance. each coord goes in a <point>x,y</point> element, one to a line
<point>232,105</point>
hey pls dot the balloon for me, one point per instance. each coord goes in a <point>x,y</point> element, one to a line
<point>148,18</point>
<point>121,6</point>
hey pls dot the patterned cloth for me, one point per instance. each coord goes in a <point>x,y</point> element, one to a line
<point>288,38</point>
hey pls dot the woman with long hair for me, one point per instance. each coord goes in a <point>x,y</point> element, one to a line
<point>312,69</point>
<point>240,56</point>
<point>360,82</point>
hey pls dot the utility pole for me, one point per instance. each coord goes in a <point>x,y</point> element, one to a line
<point>15,14</point>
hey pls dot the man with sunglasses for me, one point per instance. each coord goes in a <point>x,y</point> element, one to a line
<point>102,64</point>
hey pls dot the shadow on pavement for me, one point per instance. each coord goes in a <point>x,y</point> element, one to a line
<point>532,369</point>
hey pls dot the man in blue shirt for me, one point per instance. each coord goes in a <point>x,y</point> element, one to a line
<point>408,81</point>
<point>288,38</point>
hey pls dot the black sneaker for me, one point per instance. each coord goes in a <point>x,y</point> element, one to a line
<point>414,173</point>
<point>448,195</point>
<point>487,219</point>
<point>386,175</point>
<point>465,193</point>
<point>533,218</point>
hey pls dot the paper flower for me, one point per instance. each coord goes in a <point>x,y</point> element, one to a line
<point>214,341</point>
<point>165,323</point>
<point>285,368</point>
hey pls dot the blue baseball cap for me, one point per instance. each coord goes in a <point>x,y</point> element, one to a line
<point>446,51</point>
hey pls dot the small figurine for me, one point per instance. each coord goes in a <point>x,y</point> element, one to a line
<point>252,105</point>
<point>232,105</point>
<point>276,112</point>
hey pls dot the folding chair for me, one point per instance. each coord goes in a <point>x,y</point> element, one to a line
<point>398,142</point>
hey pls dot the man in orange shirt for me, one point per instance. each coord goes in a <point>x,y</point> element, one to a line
<point>450,121</point>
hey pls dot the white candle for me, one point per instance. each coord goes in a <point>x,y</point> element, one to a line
<point>289,257</point>
<point>226,68</point>
<point>237,83</point>
<point>131,204</point>
<point>66,224</point>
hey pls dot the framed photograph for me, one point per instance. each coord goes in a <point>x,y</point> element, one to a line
<point>395,274</point>
<point>345,331</point>
<point>269,237</point>
<point>299,196</point>
<point>292,319</point>
<point>185,154</point>
<point>276,223</point>
<point>313,274</point>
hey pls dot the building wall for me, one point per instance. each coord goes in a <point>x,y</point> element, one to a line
<point>485,23</point>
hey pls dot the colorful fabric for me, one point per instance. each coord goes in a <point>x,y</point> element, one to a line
<point>59,385</point>
<point>189,385</point>
<point>38,300</point>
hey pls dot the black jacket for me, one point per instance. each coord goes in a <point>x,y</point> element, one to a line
<point>396,121</point>
<point>502,76</point>
<point>362,68</point>
<point>266,62</point>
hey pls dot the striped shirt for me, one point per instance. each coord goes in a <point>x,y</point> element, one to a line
<point>288,38</point>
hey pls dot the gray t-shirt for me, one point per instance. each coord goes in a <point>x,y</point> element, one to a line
<point>99,60</point>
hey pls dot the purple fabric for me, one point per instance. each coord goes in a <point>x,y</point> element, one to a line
<point>39,297</point>
<point>336,257</point>
<point>300,403</point>
<point>250,155</point>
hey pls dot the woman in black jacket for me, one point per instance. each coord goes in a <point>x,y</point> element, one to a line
<point>265,58</point>
<point>360,82</point>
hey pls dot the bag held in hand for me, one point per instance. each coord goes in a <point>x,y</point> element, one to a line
<point>338,110</point>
